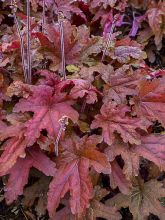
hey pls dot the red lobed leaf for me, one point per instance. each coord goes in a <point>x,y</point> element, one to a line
<point>14,146</point>
<point>86,147</point>
<point>73,173</point>
<point>83,88</point>
<point>153,149</point>
<point>68,8</point>
<point>76,40</point>
<point>74,178</point>
<point>20,171</point>
<point>156,16</point>
<point>120,84</point>
<point>131,159</point>
<point>48,108</point>
<point>117,178</point>
<point>151,99</point>
<point>113,119</point>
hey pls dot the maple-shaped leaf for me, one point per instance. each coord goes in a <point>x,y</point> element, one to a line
<point>73,173</point>
<point>68,8</point>
<point>143,200</point>
<point>94,47</point>
<point>74,178</point>
<point>20,89</point>
<point>20,171</point>
<point>101,14</point>
<point>86,147</point>
<point>105,13</point>
<point>105,3</point>
<point>126,51</point>
<point>14,146</point>
<point>36,3</point>
<point>48,107</point>
<point>87,73</point>
<point>123,54</point>
<point>51,79</point>
<point>118,179</point>
<point>113,119</point>
<point>156,16</point>
<point>151,99</point>
<point>120,84</point>
<point>83,88</point>
<point>99,210</point>
<point>131,161</point>
<point>152,148</point>
<point>76,40</point>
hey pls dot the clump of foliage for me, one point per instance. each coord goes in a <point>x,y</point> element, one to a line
<point>82,100</point>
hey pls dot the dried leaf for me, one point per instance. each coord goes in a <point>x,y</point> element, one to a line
<point>143,200</point>
<point>87,73</point>
<point>131,159</point>
<point>99,210</point>
<point>37,191</point>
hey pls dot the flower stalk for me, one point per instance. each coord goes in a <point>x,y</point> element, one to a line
<point>43,15</point>
<point>63,122</point>
<point>23,58</point>
<point>109,38</point>
<point>63,62</point>
<point>28,43</point>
